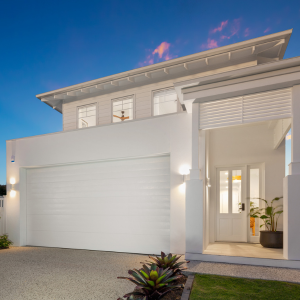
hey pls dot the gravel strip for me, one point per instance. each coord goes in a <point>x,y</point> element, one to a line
<point>245,271</point>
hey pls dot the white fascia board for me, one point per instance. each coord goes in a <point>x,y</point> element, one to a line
<point>174,62</point>
<point>245,87</point>
<point>192,82</point>
<point>222,78</point>
<point>208,86</point>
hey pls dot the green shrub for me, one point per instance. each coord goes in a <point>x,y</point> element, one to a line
<point>5,242</point>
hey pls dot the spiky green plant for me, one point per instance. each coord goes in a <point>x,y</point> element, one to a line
<point>168,261</point>
<point>151,282</point>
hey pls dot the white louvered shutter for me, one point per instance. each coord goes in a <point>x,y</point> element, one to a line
<point>257,107</point>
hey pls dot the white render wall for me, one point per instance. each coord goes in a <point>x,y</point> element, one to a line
<point>246,144</point>
<point>139,138</point>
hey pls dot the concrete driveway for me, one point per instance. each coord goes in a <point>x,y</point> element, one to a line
<point>54,273</point>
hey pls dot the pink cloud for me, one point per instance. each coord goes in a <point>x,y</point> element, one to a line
<point>161,49</point>
<point>267,30</point>
<point>220,28</point>
<point>246,32</point>
<point>210,44</point>
<point>234,30</point>
<point>160,53</point>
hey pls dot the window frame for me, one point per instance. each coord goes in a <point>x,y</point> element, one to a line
<point>85,105</point>
<point>132,96</point>
<point>152,101</point>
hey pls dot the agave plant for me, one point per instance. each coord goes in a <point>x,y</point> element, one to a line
<point>151,282</point>
<point>168,261</point>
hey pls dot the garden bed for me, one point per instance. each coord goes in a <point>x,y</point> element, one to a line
<point>223,287</point>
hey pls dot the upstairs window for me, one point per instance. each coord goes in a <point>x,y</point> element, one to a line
<point>164,102</point>
<point>122,109</point>
<point>87,116</point>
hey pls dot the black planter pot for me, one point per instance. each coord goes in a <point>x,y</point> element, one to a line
<point>271,239</point>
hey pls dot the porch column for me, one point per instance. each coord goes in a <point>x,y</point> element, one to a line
<point>194,191</point>
<point>291,187</point>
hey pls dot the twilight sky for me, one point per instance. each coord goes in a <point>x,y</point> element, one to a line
<point>47,45</point>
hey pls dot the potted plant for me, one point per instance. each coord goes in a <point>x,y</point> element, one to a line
<point>270,237</point>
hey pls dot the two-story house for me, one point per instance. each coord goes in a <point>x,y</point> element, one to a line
<point>165,157</point>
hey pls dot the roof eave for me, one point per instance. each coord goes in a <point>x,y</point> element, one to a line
<point>284,34</point>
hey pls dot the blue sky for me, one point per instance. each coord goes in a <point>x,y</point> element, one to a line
<point>47,45</point>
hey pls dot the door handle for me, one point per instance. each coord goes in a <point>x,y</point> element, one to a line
<point>243,206</point>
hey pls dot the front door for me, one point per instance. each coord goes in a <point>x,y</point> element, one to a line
<point>231,202</point>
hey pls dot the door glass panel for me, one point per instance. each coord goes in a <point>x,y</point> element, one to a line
<point>254,193</point>
<point>224,192</point>
<point>236,191</point>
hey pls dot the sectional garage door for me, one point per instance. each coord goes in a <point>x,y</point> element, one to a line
<point>120,205</point>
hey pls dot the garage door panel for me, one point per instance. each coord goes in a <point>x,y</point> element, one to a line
<point>104,242</point>
<point>101,202</point>
<point>78,176</point>
<point>105,224</point>
<point>55,183</point>
<point>99,211</point>
<point>113,193</point>
<point>112,169</point>
<point>94,185</point>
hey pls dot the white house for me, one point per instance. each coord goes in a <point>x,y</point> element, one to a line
<point>145,156</point>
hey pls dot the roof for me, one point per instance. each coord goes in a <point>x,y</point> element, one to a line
<point>263,49</point>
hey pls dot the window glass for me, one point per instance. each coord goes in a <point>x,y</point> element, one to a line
<point>254,202</point>
<point>236,191</point>
<point>224,192</point>
<point>122,110</point>
<point>164,102</point>
<point>87,116</point>
<point>288,151</point>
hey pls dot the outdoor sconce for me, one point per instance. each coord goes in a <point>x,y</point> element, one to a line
<point>208,182</point>
<point>12,191</point>
<point>12,159</point>
<point>184,171</point>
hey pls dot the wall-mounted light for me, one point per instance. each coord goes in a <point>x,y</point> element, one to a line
<point>12,159</point>
<point>208,182</point>
<point>184,171</point>
<point>12,192</point>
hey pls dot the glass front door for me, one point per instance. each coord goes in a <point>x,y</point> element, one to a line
<point>231,208</point>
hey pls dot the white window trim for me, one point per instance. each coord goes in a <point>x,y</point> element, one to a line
<point>77,114</point>
<point>120,99</point>
<point>152,101</point>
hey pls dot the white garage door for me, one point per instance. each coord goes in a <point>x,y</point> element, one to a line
<point>121,205</point>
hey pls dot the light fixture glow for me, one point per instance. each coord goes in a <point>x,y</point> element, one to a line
<point>184,170</point>
<point>12,193</point>
<point>12,180</point>
<point>182,188</point>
